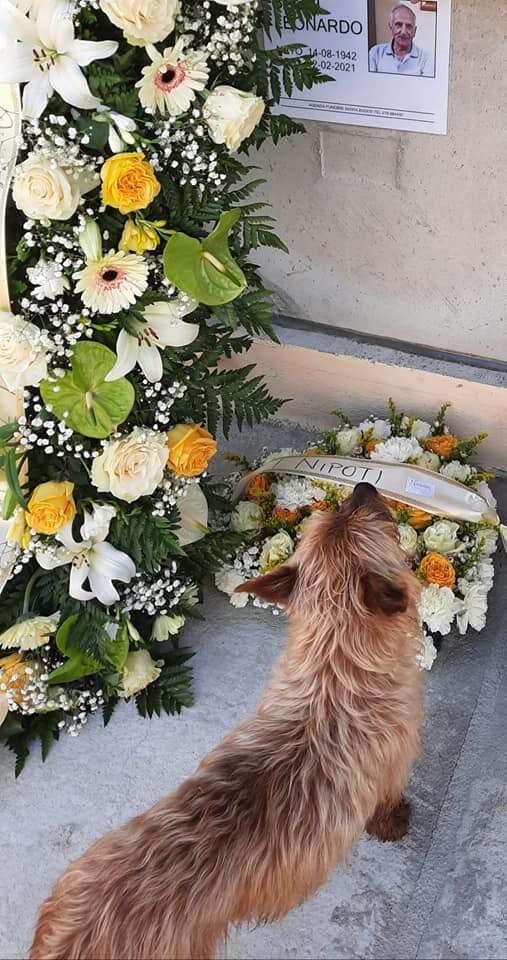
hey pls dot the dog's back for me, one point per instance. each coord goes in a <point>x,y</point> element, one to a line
<point>281,800</point>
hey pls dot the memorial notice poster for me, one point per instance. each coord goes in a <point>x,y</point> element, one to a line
<point>389,64</point>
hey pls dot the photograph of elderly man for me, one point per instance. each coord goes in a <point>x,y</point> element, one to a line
<point>401,55</point>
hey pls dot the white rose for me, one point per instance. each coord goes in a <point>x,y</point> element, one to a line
<point>232,115</point>
<point>408,539</point>
<point>428,460</point>
<point>381,428</point>
<point>143,21</point>
<point>276,550</point>
<point>246,516</point>
<point>227,580</point>
<point>348,439</point>
<point>45,191</point>
<point>193,509</point>
<point>441,537</point>
<point>438,607</point>
<point>456,471</point>
<point>427,654</point>
<point>420,429</point>
<point>24,351</point>
<point>399,449</point>
<point>137,672</point>
<point>133,466</point>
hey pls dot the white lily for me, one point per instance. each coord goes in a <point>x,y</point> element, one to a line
<point>121,128</point>
<point>164,327</point>
<point>48,58</point>
<point>92,559</point>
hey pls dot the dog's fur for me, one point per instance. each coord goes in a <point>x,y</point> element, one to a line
<point>281,800</point>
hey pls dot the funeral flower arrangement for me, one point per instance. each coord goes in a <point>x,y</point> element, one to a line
<point>130,234</point>
<point>452,559</point>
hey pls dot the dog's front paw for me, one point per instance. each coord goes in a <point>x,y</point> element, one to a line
<point>388,825</point>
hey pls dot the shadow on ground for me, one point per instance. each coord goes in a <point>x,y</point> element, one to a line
<point>437,894</point>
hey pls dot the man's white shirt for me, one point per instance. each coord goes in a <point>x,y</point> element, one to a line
<point>417,63</point>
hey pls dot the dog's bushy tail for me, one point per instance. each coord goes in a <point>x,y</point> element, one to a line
<point>244,839</point>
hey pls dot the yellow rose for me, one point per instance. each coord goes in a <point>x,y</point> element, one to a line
<point>444,445</point>
<point>191,448</point>
<point>128,182</point>
<point>437,569</point>
<point>137,238</point>
<point>51,506</point>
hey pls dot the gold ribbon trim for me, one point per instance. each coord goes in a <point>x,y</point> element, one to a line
<point>412,485</point>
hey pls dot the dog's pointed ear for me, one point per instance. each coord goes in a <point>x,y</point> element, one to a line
<point>384,596</point>
<point>274,587</point>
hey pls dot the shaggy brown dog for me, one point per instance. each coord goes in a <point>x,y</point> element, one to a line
<point>282,799</point>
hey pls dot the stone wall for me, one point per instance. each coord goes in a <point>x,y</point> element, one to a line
<point>402,234</point>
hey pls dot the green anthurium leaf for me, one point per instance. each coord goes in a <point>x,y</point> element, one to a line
<point>63,634</point>
<point>205,270</point>
<point>117,649</point>
<point>77,666</point>
<point>91,406</point>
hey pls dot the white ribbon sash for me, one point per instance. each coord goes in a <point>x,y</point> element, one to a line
<point>11,404</point>
<point>414,486</point>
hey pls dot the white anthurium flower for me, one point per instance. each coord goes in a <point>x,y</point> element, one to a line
<point>121,128</point>
<point>163,327</point>
<point>193,508</point>
<point>48,58</point>
<point>92,559</point>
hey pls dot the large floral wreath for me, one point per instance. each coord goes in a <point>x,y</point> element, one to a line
<point>452,559</point>
<point>130,230</point>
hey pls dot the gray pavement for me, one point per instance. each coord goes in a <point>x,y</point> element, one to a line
<point>439,893</point>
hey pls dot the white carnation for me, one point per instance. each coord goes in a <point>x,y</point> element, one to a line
<point>488,538</point>
<point>398,449</point>
<point>246,516</point>
<point>381,428</point>
<point>231,115</point>
<point>133,466</point>
<point>348,439</point>
<point>438,607</point>
<point>485,491</point>
<point>456,471</point>
<point>24,350</point>
<point>408,539</point>
<point>296,492</point>
<point>442,537</point>
<point>48,280</point>
<point>427,654</point>
<point>227,580</point>
<point>474,606</point>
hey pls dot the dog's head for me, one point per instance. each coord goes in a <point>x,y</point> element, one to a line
<point>348,566</point>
